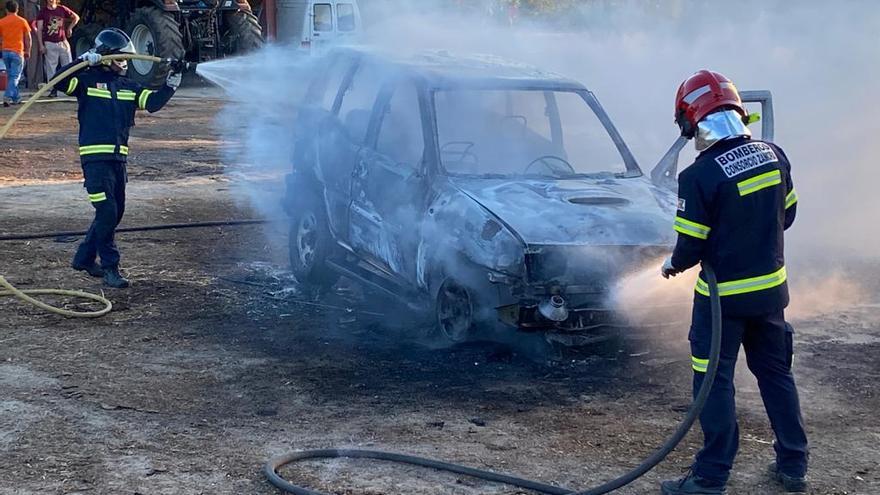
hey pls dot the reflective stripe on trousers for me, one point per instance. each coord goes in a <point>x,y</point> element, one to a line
<point>94,149</point>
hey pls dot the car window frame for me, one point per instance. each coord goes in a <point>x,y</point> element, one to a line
<point>346,86</point>
<point>320,86</point>
<point>629,161</point>
<point>383,99</point>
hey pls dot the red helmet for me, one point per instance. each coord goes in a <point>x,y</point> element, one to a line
<point>702,94</point>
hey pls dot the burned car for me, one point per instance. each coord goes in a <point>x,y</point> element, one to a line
<point>489,194</point>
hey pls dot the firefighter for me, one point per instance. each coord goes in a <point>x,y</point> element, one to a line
<point>734,203</point>
<point>107,104</point>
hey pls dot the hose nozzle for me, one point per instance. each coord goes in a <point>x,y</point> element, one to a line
<point>180,65</point>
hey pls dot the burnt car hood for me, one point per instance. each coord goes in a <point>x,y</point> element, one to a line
<point>587,212</point>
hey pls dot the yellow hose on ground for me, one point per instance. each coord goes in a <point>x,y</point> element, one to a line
<point>23,294</point>
<point>24,108</point>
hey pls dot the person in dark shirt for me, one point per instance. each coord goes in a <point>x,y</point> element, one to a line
<point>55,24</point>
<point>107,104</point>
<point>735,201</point>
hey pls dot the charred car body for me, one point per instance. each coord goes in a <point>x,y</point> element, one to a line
<point>478,190</point>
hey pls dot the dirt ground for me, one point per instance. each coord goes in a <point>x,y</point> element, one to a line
<point>213,361</point>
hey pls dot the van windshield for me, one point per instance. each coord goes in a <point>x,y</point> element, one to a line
<point>506,133</point>
<point>345,17</point>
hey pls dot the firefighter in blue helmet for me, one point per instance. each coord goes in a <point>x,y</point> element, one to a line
<point>735,202</point>
<point>107,104</point>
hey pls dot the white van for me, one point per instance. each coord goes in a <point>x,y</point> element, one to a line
<point>314,23</point>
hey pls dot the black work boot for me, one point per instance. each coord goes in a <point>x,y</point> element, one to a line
<point>791,484</point>
<point>92,269</point>
<point>114,279</point>
<point>692,485</point>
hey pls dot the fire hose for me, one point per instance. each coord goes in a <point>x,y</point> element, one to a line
<point>271,468</point>
<point>24,295</point>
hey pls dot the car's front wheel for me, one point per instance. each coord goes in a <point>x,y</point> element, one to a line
<point>309,246</point>
<point>455,309</point>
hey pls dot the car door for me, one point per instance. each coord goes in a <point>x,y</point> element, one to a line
<point>666,172</point>
<point>323,141</point>
<point>389,183</point>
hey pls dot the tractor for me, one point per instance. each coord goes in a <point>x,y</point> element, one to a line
<point>191,30</point>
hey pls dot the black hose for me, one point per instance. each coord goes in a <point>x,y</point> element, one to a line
<point>271,468</point>
<point>168,226</point>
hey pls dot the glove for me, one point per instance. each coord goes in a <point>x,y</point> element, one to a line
<point>179,65</point>
<point>173,80</point>
<point>668,270</point>
<point>91,57</point>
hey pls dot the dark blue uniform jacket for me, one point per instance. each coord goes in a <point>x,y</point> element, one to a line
<point>735,201</point>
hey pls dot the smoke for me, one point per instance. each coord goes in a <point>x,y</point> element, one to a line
<point>264,91</point>
<point>634,54</point>
<point>817,57</point>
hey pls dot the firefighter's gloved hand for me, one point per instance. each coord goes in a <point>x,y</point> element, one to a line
<point>173,80</point>
<point>178,65</point>
<point>668,270</point>
<point>91,57</point>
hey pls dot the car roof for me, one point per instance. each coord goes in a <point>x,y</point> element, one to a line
<point>442,69</point>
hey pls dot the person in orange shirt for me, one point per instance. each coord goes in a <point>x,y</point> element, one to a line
<point>15,41</point>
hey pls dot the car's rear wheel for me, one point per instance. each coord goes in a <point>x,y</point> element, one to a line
<point>309,246</point>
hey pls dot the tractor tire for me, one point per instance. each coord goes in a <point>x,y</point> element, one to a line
<point>243,33</point>
<point>83,39</point>
<point>156,33</point>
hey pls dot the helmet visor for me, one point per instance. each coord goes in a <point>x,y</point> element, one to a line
<point>719,126</point>
<point>128,48</point>
<point>112,41</point>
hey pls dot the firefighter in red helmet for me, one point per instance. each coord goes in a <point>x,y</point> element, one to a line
<point>735,202</point>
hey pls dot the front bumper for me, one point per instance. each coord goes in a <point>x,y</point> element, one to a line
<point>527,315</point>
<point>584,278</point>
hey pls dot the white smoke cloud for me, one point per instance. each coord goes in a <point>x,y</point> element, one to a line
<point>817,57</point>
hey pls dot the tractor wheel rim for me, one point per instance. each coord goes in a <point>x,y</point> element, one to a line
<point>306,239</point>
<point>454,311</point>
<point>144,43</point>
<point>82,45</point>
